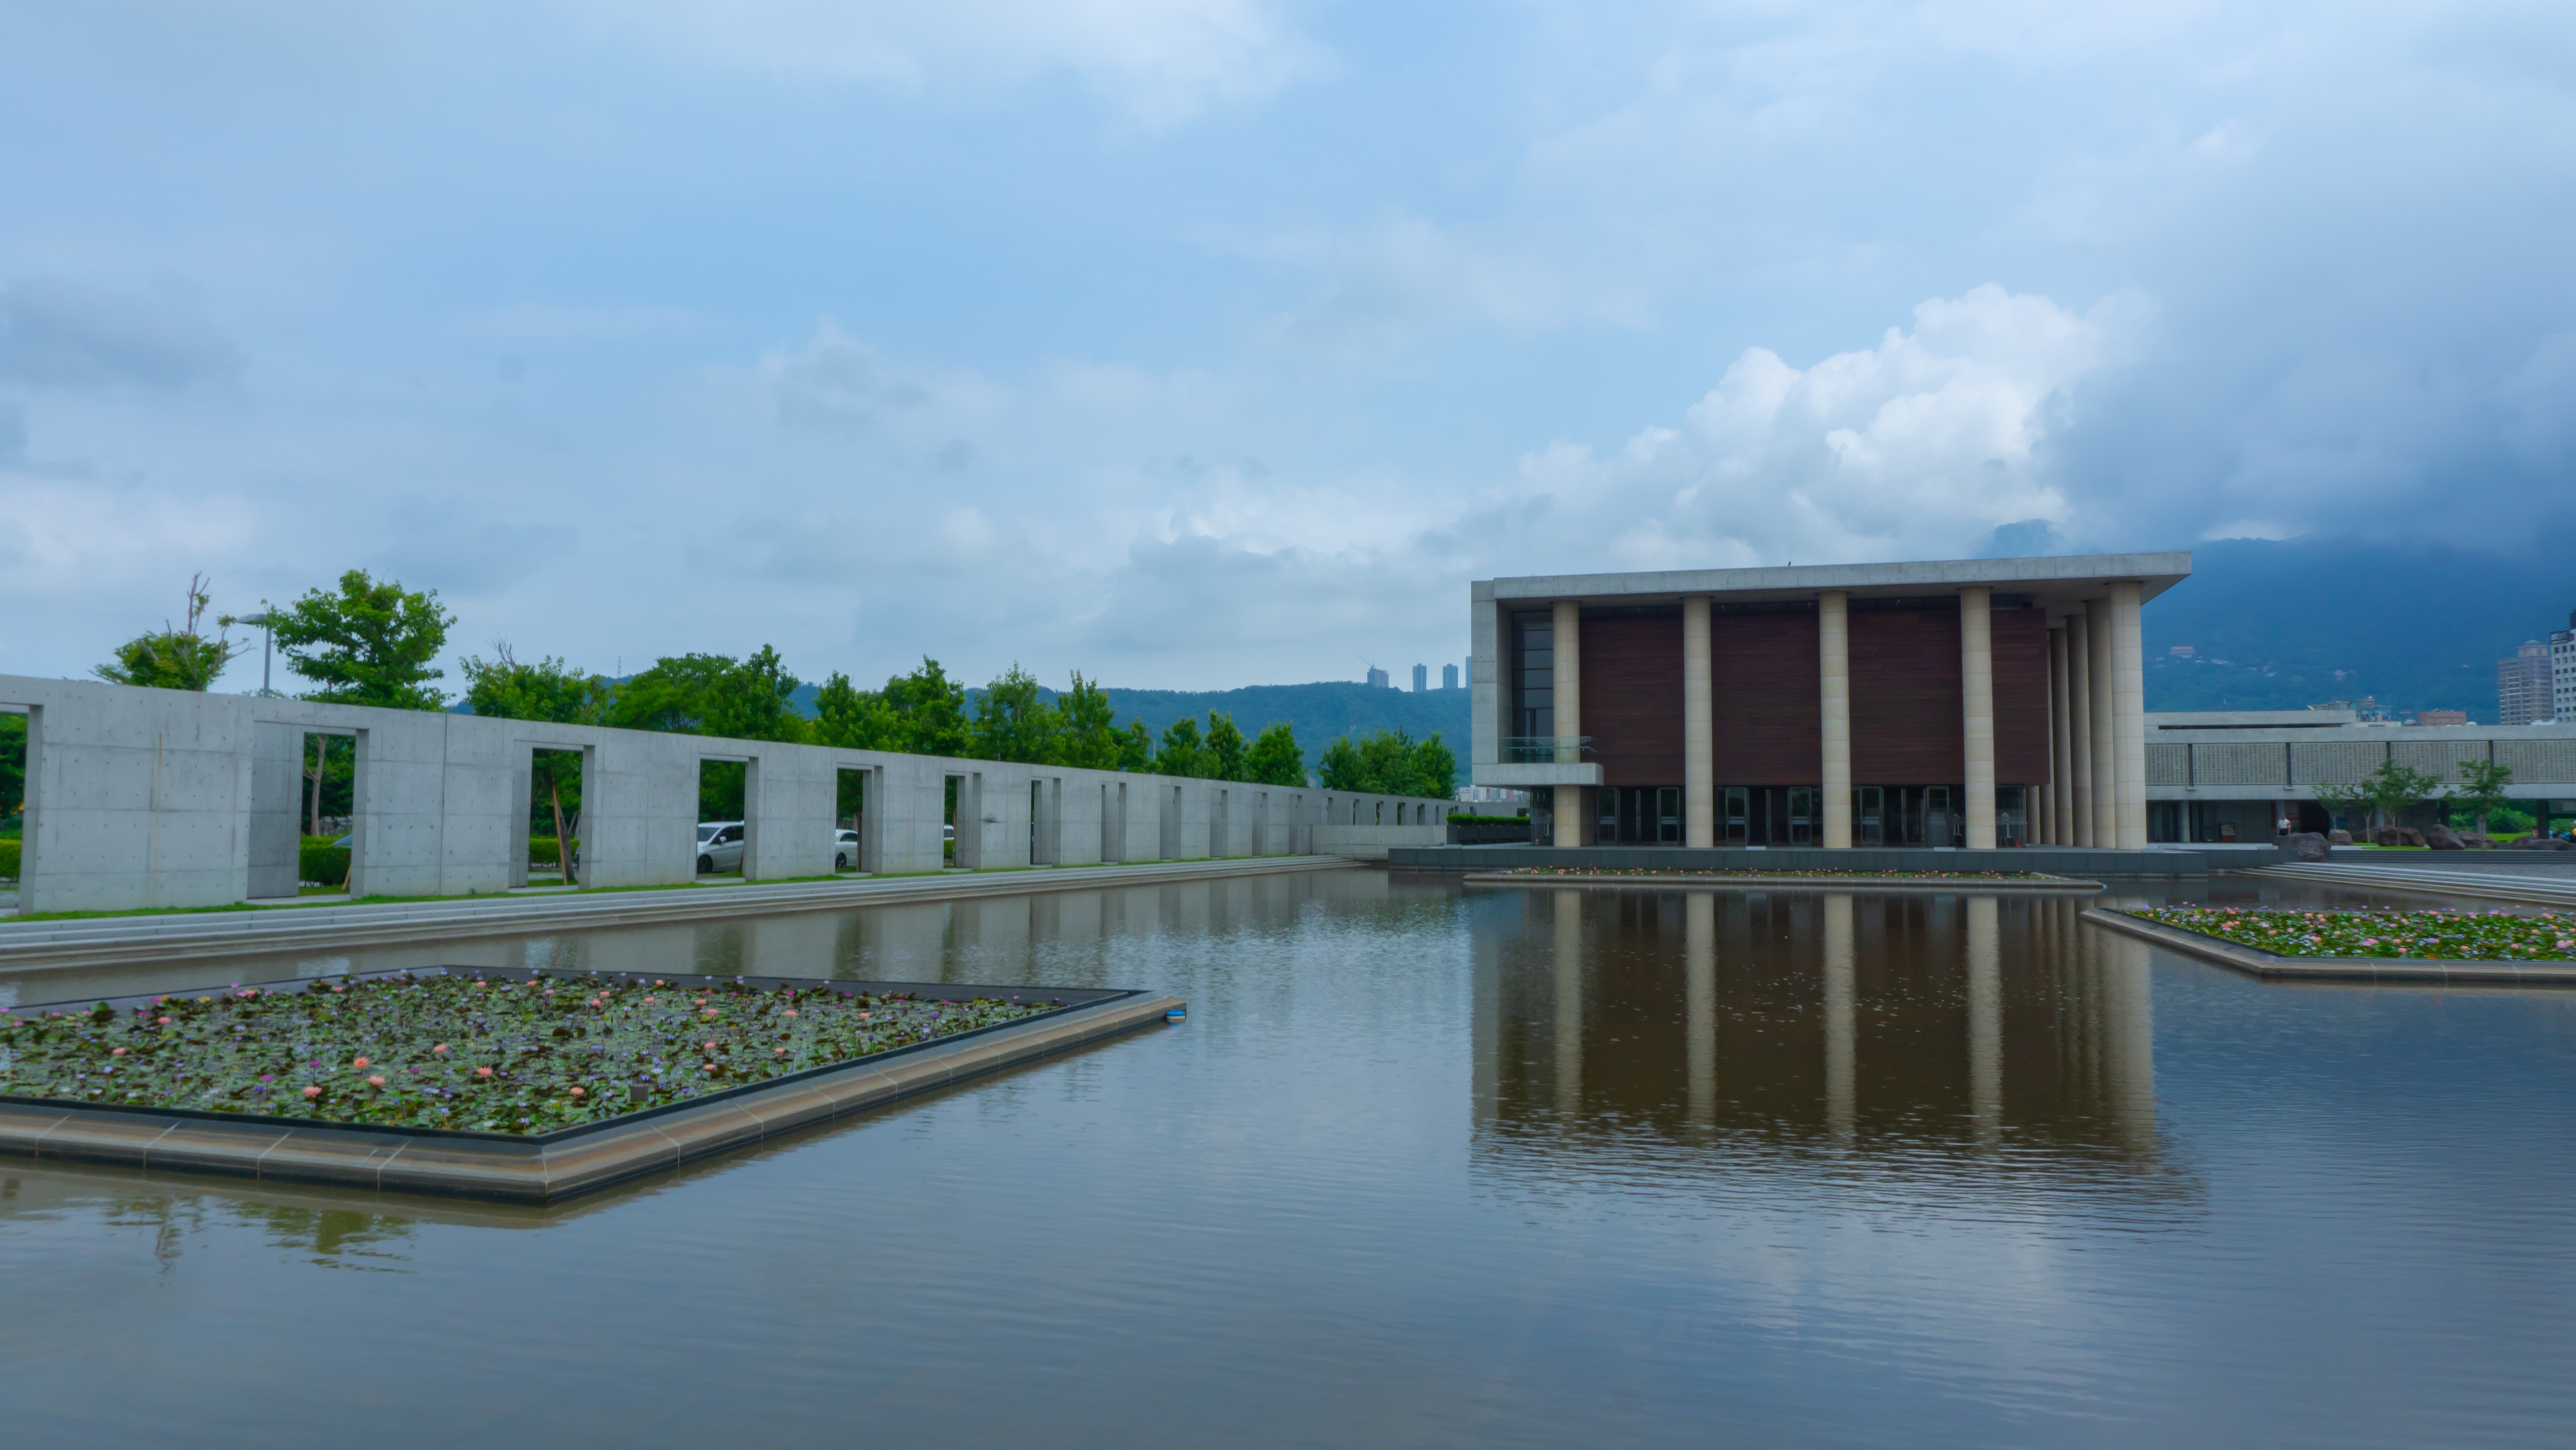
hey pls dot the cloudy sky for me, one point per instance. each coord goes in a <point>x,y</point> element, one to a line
<point>1198,343</point>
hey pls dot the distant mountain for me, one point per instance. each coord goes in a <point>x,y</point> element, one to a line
<point>2280,626</point>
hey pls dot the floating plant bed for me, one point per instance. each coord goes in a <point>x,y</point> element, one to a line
<point>1821,879</point>
<point>497,1082</point>
<point>2373,946</point>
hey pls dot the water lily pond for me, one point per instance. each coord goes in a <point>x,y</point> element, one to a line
<point>475,1052</point>
<point>2430,935</point>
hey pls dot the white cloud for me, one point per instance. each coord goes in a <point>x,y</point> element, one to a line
<point>62,333</point>
<point>1160,60</point>
<point>1921,446</point>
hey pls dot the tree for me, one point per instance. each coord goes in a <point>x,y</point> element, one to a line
<point>932,711</point>
<point>1340,767</point>
<point>508,690</point>
<point>754,700</point>
<point>1225,747</point>
<point>1274,758</point>
<point>1434,772</point>
<point>1136,748</point>
<point>368,644</point>
<point>1012,723</point>
<point>2343,801</point>
<point>2392,788</point>
<point>1390,762</point>
<point>180,657</point>
<point>2481,788</point>
<point>13,765</point>
<point>1181,750</point>
<point>853,719</point>
<point>673,695</point>
<point>1091,739</point>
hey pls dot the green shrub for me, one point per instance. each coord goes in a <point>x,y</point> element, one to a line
<point>323,863</point>
<point>9,859</point>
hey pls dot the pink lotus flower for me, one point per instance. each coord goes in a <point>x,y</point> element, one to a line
<point>649,1001</point>
<point>161,1021</point>
<point>120,1052</point>
<point>791,1011</point>
<point>375,1082</point>
<point>482,1072</point>
<point>439,1050</point>
<point>313,1092</point>
<point>360,1062</point>
<point>576,1092</point>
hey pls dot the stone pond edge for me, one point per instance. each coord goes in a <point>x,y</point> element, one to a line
<point>355,1156</point>
<point>1842,884</point>
<point>2270,966</point>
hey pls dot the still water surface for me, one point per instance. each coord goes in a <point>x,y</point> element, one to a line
<point>1430,1167</point>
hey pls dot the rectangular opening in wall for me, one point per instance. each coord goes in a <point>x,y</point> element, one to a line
<point>14,844</point>
<point>554,817</point>
<point>326,805</point>
<point>850,821</point>
<point>723,831</point>
<point>957,811</point>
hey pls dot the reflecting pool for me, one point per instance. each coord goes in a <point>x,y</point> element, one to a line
<point>1430,1165</point>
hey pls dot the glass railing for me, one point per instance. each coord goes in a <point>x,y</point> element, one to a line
<point>1546,749</point>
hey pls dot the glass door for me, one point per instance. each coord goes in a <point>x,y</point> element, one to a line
<point>1732,822</point>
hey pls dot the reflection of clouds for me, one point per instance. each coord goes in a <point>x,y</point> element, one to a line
<point>1744,1045</point>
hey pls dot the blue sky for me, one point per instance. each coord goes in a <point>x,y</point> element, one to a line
<point>1199,343</point>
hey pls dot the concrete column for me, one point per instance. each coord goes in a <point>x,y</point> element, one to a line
<point>2129,715</point>
<point>2061,760</point>
<point>2106,792</point>
<point>2079,725</point>
<point>1699,942</point>
<point>2037,803</point>
<point>1570,809</point>
<point>1699,742</point>
<point>1841,1054</point>
<point>1569,1006</point>
<point>1977,690</point>
<point>1833,659</point>
<point>1985,1021</point>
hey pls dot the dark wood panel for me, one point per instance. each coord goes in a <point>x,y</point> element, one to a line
<point>1632,698</point>
<point>2021,697</point>
<point>1769,720</point>
<point>1907,707</point>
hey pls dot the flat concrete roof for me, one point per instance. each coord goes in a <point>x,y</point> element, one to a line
<point>2250,719</point>
<point>2060,583</point>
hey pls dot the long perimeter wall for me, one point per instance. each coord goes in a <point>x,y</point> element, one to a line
<point>143,798</point>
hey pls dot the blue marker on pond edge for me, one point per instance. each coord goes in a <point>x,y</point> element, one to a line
<point>1177,1014</point>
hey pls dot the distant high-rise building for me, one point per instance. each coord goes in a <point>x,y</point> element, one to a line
<point>2562,670</point>
<point>2522,685</point>
<point>1377,679</point>
<point>1448,677</point>
<point>2441,717</point>
<point>1421,679</point>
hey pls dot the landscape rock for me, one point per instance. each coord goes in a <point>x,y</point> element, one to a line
<point>2338,838</point>
<point>2443,838</point>
<point>2306,846</point>
<point>2542,843</point>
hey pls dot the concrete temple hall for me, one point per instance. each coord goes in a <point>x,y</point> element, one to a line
<point>1965,704</point>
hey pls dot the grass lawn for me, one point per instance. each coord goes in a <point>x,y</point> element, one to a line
<point>456,1050</point>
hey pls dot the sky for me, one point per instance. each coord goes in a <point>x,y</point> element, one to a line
<point>1201,343</point>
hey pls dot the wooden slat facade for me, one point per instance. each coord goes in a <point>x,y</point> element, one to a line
<point>1906,698</point>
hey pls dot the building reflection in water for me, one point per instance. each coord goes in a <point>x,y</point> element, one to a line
<point>1632,1024</point>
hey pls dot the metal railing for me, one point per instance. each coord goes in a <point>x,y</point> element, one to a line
<point>1546,749</point>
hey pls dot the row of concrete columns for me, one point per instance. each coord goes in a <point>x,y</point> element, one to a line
<point>2096,700</point>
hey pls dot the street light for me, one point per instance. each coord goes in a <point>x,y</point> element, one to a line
<point>264,619</point>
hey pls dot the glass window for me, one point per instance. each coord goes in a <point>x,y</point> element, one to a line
<point>1867,803</point>
<point>1802,813</point>
<point>1734,800</point>
<point>1668,813</point>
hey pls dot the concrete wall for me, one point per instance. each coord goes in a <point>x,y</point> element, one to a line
<point>147,798</point>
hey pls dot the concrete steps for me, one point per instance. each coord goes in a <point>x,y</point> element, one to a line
<point>112,941</point>
<point>2526,887</point>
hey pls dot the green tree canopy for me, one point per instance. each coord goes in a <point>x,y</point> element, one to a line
<point>367,644</point>
<point>1181,751</point>
<point>1274,758</point>
<point>1013,723</point>
<point>2481,788</point>
<point>1225,748</point>
<point>932,709</point>
<point>852,718</point>
<point>672,695</point>
<point>504,689</point>
<point>1136,748</point>
<point>699,694</point>
<point>13,764</point>
<point>1090,738</point>
<point>177,657</point>
<point>1390,762</point>
<point>2392,788</point>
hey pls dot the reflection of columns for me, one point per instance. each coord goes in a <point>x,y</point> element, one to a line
<point>1699,762</point>
<point>2079,726</point>
<point>1977,690</point>
<point>1833,635</point>
<point>2128,1018</point>
<point>2061,763</point>
<point>2106,791</point>
<point>1565,643</point>
<point>1569,1003</point>
<point>1840,1091</point>
<point>1985,1020</point>
<point>1699,938</point>
<point>2129,715</point>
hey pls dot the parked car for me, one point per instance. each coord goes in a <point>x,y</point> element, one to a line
<point>719,847</point>
<point>845,850</point>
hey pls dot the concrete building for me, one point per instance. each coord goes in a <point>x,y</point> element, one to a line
<point>167,798</point>
<point>1421,679</point>
<point>1448,677</point>
<point>1967,703</point>
<point>1377,679</point>
<point>2232,776</point>
<point>2522,686</point>
<point>2562,670</point>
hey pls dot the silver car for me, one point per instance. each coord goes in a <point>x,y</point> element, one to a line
<point>719,847</point>
<point>845,850</point>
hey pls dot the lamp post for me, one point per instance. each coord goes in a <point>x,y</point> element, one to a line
<point>264,619</point>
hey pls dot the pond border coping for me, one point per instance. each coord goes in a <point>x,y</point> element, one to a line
<point>550,1167</point>
<point>1840,884</point>
<point>2274,967</point>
